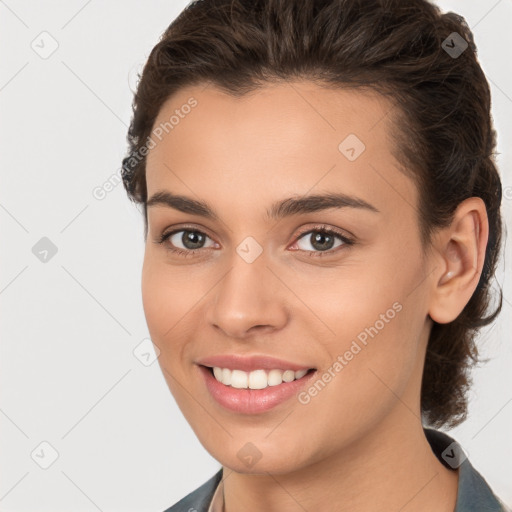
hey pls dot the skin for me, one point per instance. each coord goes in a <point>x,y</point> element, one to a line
<point>358,444</point>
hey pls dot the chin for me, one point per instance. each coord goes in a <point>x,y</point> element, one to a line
<point>247,458</point>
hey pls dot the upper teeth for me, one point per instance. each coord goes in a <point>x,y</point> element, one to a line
<point>257,379</point>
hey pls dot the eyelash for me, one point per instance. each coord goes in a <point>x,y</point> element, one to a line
<point>321,228</point>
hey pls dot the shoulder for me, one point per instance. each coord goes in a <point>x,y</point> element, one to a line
<point>474,493</point>
<point>199,499</point>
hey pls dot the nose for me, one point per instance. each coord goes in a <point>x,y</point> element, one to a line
<point>249,299</point>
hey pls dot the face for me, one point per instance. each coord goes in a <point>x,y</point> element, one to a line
<point>335,286</point>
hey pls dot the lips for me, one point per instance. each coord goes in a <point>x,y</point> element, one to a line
<point>250,363</point>
<point>253,401</point>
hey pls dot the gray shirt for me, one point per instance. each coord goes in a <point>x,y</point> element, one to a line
<point>473,494</point>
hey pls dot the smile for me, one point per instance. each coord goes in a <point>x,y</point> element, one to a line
<point>238,397</point>
<point>257,379</point>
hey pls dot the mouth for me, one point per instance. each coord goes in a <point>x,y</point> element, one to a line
<point>245,394</point>
<point>256,379</point>
<point>249,362</point>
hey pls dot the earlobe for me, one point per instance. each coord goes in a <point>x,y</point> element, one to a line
<point>461,252</point>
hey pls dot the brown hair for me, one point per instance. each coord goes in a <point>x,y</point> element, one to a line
<point>442,127</point>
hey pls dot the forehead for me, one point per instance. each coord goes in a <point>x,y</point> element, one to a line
<point>281,114</point>
<point>290,137</point>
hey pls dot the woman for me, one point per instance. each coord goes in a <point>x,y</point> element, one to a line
<point>322,222</point>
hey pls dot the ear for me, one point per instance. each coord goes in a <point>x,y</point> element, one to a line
<point>460,253</point>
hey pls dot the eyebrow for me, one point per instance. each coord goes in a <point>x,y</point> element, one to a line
<point>280,209</point>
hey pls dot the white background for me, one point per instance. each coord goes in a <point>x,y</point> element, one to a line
<point>69,326</point>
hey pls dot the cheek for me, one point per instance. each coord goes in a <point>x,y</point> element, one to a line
<point>172,298</point>
<point>361,381</point>
<point>374,319</point>
<point>164,303</point>
<point>167,295</point>
<point>164,306</point>
<point>154,299</point>
<point>373,337</point>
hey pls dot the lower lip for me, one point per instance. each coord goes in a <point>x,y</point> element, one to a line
<point>252,401</point>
